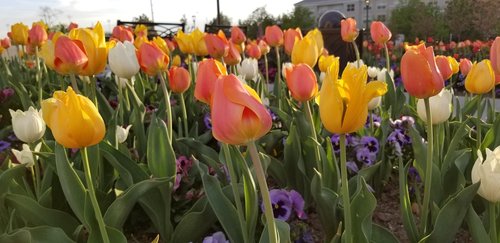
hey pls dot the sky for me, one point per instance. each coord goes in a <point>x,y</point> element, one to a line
<point>88,12</point>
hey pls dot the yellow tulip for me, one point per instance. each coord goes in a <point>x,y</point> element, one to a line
<point>318,37</point>
<point>326,61</point>
<point>162,44</point>
<point>305,51</point>
<point>185,42</point>
<point>73,119</point>
<point>454,64</point>
<point>95,46</point>
<point>198,43</point>
<point>344,103</point>
<point>19,34</point>
<point>481,78</point>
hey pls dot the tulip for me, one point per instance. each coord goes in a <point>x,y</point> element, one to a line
<point>5,42</point>
<point>301,81</point>
<point>373,72</point>
<point>237,35</point>
<point>238,115</point>
<point>454,64</point>
<point>152,59</point>
<point>318,37</point>
<point>465,66</point>
<point>208,72</point>
<point>249,68</point>
<point>198,43</point>
<point>217,45</point>
<point>344,103</point>
<point>485,170</point>
<point>185,42</point>
<point>440,107</point>
<point>495,58</point>
<point>122,34</point>
<point>139,40</point>
<point>141,30</point>
<point>382,75</point>
<point>444,67</point>
<point>420,74</point>
<point>274,36</point>
<point>179,79</point>
<point>176,61</point>
<point>379,32</point>
<point>94,43</point>
<point>73,119</point>
<point>305,51</point>
<point>162,44</point>
<point>374,103</point>
<point>264,47</point>
<point>28,126</point>
<point>68,56</point>
<point>325,61</point>
<point>72,26</point>
<point>37,35</point>
<point>25,156</point>
<point>481,78</point>
<point>290,37</point>
<point>19,34</point>
<point>348,30</point>
<point>123,60</point>
<point>233,55</point>
<point>122,133</point>
<point>253,50</point>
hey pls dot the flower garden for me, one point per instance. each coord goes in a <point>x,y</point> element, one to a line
<point>202,138</point>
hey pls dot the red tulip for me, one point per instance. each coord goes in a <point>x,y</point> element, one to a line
<point>495,56</point>
<point>465,66</point>
<point>37,35</point>
<point>253,50</point>
<point>233,55</point>
<point>237,35</point>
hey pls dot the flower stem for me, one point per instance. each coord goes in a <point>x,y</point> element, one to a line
<point>267,69</point>
<point>309,115</point>
<point>93,198</point>
<point>388,63</point>
<point>74,83</point>
<point>493,99</point>
<point>184,115</point>
<point>39,77</point>
<point>264,190</point>
<point>167,104</point>
<point>493,225</point>
<point>478,125</point>
<point>346,201</point>
<point>358,58</point>
<point>234,187</point>
<point>428,168</point>
<point>278,81</point>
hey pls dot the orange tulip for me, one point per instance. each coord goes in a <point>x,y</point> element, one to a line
<point>253,50</point>
<point>237,35</point>
<point>208,72</point>
<point>122,33</point>
<point>5,42</point>
<point>264,47</point>
<point>465,66</point>
<point>179,79</point>
<point>162,44</point>
<point>37,35</point>
<point>152,59</point>
<point>444,67</point>
<point>69,56</point>
<point>301,82</point>
<point>348,30</point>
<point>217,45</point>
<point>238,115</point>
<point>290,37</point>
<point>274,36</point>
<point>379,32</point>
<point>495,56</point>
<point>420,74</point>
<point>72,26</point>
<point>233,56</point>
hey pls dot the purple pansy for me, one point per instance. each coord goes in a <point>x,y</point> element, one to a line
<point>352,166</point>
<point>364,155</point>
<point>217,237</point>
<point>4,145</point>
<point>283,202</point>
<point>208,121</point>
<point>370,143</point>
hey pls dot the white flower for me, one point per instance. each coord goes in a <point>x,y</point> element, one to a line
<point>374,103</point>
<point>373,72</point>
<point>10,53</point>
<point>381,75</point>
<point>322,76</point>
<point>249,69</point>
<point>122,133</point>
<point>284,67</point>
<point>488,172</point>
<point>122,82</point>
<point>355,63</point>
<point>28,126</point>
<point>123,60</point>
<point>25,156</point>
<point>440,105</point>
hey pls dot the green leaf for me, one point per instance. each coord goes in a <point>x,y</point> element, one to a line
<point>405,203</point>
<point>451,215</point>
<point>195,223</point>
<point>326,205</point>
<point>7,176</point>
<point>137,119</point>
<point>40,234</point>
<point>382,235</point>
<point>476,227</point>
<point>294,162</point>
<point>363,204</point>
<point>35,214</point>
<point>160,154</point>
<point>104,108</point>
<point>283,232</point>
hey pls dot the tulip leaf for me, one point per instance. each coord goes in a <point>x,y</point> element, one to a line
<point>363,204</point>
<point>104,108</point>
<point>22,93</point>
<point>137,120</point>
<point>470,107</point>
<point>382,235</point>
<point>39,234</point>
<point>331,172</point>
<point>405,203</point>
<point>283,232</point>
<point>294,162</point>
<point>326,205</point>
<point>35,214</point>
<point>250,192</point>
<point>195,223</point>
<point>160,154</point>
<point>451,215</point>
<point>119,210</point>
<point>7,176</point>
<point>476,226</point>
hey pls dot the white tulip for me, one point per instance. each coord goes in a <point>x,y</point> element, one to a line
<point>28,125</point>
<point>440,105</point>
<point>373,72</point>
<point>488,172</point>
<point>355,63</point>
<point>374,103</point>
<point>25,156</point>
<point>122,133</point>
<point>381,74</point>
<point>123,60</point>
<point>249,69</point>
<point>10,53</point>
<point>284,67</point>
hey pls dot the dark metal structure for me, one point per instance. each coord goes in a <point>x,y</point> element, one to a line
<point>226,28</point>
<point>164,30</point>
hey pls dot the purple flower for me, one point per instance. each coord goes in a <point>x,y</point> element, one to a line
<point>274,117</point>
<point>177,183</point>
<point>351,140</point>
<point>335,138</point>
<point>217,237</point>
<point>298,204</point>
<point>396,146</point>
<point>352,166</point>
<point>376,120</point>
<point>407,121</point>
<point>370,143</point>
<point>364,155</point>
<point>13,137</point>
<point>283,202</point>
<point>208,121</point>
<point>183,165</point>
<point>413,172</point>
<point>4,145</point>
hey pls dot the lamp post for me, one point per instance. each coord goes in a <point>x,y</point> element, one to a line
<point>367,6</point>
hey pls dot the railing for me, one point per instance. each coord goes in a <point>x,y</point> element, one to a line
<point>226,28</point>
<point>164,30</point>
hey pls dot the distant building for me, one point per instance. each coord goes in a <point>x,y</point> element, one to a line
<point>377,9</point>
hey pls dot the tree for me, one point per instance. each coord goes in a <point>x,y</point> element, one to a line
<point>49,15</point>
<point>256,23</point>
<point>142,18</point>
<point>299,17</point>
<point>224,20</point>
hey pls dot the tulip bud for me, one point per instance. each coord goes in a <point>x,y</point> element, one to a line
<point>208,72</point>
<point>122,133</point>
<point>487,171</point>
<point>237,35</point>
<point>481,78</point>
<point>465,66</point>
<point>253,50</point>
<point>264,47</point>
<point>374,103</point>
<point>123,60</point>
<point>454,64</point>
<point>301,81</point>
<point>198,42</point>
<point>122,34</point>
<point>176,61</point>
<point>348,30</point>
<point>444,67</point>
<point>305,51</point>
<point>152,59</point>
<point>217,45</point>
<point>185,42</point>
<point>28,126</point>
<point>179,79</point>
<point>440,106</point>
<point>284,67</point>
<point>379,32</point>
<point>274,35</point>
<point>495,55</point>
<point>19,34</point>
<point>373,72</point>
<point>290,37</point>
<point>233,55</point>
<point>25,156</point>
<point>37,35</point>
<point>249,69</point>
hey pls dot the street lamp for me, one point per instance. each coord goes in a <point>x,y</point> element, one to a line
<point>367,5</point>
